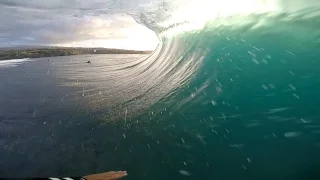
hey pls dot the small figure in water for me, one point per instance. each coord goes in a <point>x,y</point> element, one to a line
<point>89,61</point>
<point>48,60</point>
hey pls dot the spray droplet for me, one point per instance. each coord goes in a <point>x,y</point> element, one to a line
<point>296,96</point>
<point>184,172</point>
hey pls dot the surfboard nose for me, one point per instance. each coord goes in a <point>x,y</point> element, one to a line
<point>112,175</point>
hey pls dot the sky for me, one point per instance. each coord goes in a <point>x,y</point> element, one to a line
<point>73,23</point>
<point>113,23</point>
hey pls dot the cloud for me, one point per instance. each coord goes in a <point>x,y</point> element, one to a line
<point>68,22</point>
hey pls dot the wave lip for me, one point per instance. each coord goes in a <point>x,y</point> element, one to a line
<point>13,62</point>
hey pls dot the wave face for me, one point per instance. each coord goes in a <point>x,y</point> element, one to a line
<point>227,79</point>
<point>13,62</point>
<point>230,50</point>
<point>250,82</point>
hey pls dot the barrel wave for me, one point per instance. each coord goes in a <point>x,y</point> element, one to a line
<point>231,92</point>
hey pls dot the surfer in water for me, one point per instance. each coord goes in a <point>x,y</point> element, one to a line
<point>111,175</point>
<point>89,61</point>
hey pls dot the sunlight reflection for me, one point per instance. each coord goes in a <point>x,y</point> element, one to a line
<point>122,34</point>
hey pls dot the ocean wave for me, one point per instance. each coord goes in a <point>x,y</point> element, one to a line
<point>211,46</point>
<point>196,64</point>
<point>131,84</point>
<point>13,62</point>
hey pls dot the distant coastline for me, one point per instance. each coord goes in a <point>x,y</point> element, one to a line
<point>6,54</point>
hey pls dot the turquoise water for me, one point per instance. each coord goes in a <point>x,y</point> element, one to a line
<point>249,111</point>
<point>227,101</point>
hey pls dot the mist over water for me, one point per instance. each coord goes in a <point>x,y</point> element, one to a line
<point>230,92</point>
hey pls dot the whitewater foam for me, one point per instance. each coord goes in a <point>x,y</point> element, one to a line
<point>13,62</point>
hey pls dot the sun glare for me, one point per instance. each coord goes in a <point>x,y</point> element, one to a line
<point>126,34</point>
<point>144,41</point>
<point>198,12</point>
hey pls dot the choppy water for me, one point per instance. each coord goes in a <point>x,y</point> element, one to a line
<point>237,98</point>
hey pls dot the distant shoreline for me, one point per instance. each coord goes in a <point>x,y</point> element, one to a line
<point>60,51</point>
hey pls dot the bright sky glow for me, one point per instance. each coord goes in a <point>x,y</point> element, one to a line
<point>105,23</point>
<point>198,12</point>
<point>133,37</point>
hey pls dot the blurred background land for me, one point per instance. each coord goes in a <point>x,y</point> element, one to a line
<point>37,52</point>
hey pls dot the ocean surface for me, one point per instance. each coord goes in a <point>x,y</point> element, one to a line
<point>235,99</point>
